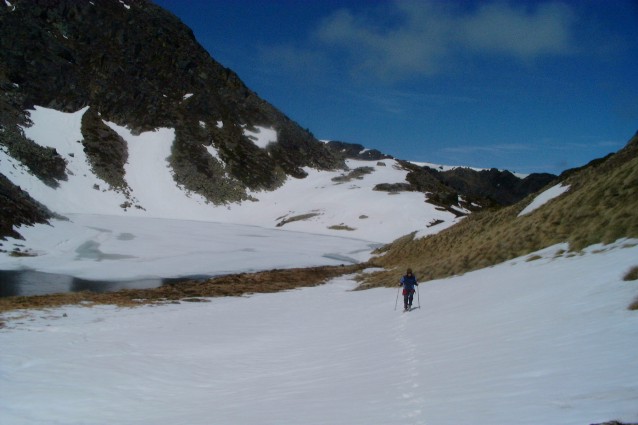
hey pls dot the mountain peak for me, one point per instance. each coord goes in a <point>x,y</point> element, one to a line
<point>138,66</point>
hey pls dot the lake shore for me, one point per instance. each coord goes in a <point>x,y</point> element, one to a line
<point>190,291</point>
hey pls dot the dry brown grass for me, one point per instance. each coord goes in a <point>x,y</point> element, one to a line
<point>341,227</point>
<point>230,285</point>
<point>632,274</point>
<point>600,207</point>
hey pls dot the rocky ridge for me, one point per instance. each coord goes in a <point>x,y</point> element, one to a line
<point>138,66</point>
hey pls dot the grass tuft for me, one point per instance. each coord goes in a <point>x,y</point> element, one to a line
<point>632,274</point>
<point>18,253</point>
<point>341,227</point>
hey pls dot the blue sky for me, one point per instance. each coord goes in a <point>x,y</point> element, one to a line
<point>528,86</point>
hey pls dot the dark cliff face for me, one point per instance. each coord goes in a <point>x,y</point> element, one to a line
<point>502,187</point>
<point>18,205</point>
<point>137,65</point>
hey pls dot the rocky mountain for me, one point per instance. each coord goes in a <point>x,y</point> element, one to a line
<point>137,65</point>
<point>500,186</point>
<point>133,64</point>
<point>477,189</point>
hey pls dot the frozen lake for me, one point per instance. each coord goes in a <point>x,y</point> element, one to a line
<point>31,282</point>
<point>108,253</point>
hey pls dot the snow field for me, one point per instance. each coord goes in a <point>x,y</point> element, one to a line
<point>61,131</point>
<point>152,187</point>
<point>525,342</point>
<point>111,247</point>
<point>156,244</point>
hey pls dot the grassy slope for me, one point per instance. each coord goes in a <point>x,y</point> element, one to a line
<point>601,206</point>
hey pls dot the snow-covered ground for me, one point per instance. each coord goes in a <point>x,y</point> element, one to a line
<point>548,341</point>
<point>371,215</point>
<point>104,247</point>
<point>177,233</point>
<point>544,197</point>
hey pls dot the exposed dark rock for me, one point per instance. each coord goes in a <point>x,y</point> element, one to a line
<point>300,217</point>
<point>44,162</point>
<point>16,206</point>
<point>438,193</point>
<point>357,173</point>
<point>200,172</point>
<point>394,187</point>
<point>616,423</point>
<point>356,151</point>
<point>501,187</point>
<point>137,65</point>
<point>105,149</point>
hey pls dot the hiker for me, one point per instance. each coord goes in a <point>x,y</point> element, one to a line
<point>408,282</point>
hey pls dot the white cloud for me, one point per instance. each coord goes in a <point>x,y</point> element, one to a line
<point>518,31</point>
<point>425,37</point>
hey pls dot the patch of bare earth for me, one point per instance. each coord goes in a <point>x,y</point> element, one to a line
<point>223,286</point>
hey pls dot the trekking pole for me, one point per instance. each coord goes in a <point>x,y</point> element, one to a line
<point>397,300</point>
<point>418,297</point>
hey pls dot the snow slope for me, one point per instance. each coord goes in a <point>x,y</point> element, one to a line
<point>543,198</point>
<point>548,341</point>
<point>346,211</point>
<point>152,186</point>
<point>120,248</point>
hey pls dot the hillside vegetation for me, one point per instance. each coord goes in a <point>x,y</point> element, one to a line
<point>600,206</point>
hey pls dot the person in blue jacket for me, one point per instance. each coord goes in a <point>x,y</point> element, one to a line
<point>408,282</point>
